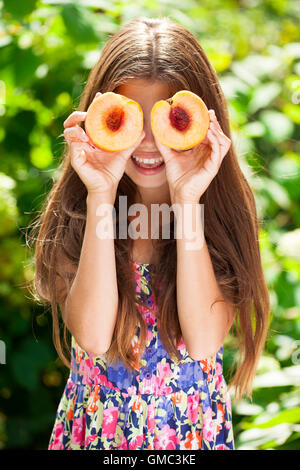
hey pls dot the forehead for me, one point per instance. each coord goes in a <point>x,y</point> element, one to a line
<point>143,90</point>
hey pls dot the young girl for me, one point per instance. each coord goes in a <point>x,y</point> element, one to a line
<point>147,317</point>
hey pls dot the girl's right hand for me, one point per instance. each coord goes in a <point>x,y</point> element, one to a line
<point>98,169</point>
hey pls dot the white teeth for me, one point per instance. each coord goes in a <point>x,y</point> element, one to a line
<point>151,161</point>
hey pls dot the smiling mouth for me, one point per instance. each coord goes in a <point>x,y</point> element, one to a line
<point>155,162</point>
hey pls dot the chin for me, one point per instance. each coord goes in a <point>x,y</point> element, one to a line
<point>151,181</point>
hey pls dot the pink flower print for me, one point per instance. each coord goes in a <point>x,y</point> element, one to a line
<point>147,314</point>
<point>131,390</point>
<point>137,442</point>
<point>220,416</point>
<point>208,425</point>
<point>193,406</point>
<point>84,369</point>
<point>102,380</point>
<point>78,430</point>
<point>166,440</point>
<point>89,361</point>
<point>228,402</point>
<point>94,374</point>
<point>164,371</point>
<point>123,445</point>
<point>90,438</point>
<point>149,336</point>
<point>228,424</point>
<point>181,345</point>
<point>147,386</point>
<point>218,369</point>
<point>151,418</point>
<point>138,282</point>
<point>57,442</point>
<point>219,382</point>
<point>70,384</point>
<point>222,447</point>
<point>151,318</point>
<point>110,418</point>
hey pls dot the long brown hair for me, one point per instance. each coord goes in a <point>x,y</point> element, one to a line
<point>161,50</point>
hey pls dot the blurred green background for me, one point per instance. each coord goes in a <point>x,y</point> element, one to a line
<point>47,49</point>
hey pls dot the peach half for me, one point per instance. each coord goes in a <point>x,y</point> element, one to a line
<point>180,122</point>
<point>114,122</point>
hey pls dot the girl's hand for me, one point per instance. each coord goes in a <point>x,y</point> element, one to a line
<point>99,170</point>
<point>190,172</point>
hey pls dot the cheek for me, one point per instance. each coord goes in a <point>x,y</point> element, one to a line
<point>129,170</point>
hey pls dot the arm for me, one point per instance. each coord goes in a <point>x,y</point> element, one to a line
<point>203,328</point>
<point>90,309</point>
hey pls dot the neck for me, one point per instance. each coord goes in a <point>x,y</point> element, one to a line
<point>158,195</point>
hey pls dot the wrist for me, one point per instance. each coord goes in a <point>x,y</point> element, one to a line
<point>96,197</point>
<point>179,199</point>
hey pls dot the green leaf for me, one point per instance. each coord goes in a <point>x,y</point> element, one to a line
<point>79,23</point>
<point>253,129</point>
<point>232,85</point>
<point>279,378</point>
<point>285,416</point>
<point>28,361</point>
<point>292,49</point>
<point>19,8</point>
<point>254,438</point>
<point>263,95</point>
<point>279,127</point>
<point>25,63</point>
<point>292,111</point>
<point>289,244</point>
<point>276,192</point>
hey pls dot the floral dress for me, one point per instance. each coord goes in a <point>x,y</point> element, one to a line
<point>162,405</point>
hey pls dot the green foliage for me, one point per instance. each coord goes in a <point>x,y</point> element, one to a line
<point>46,51</point>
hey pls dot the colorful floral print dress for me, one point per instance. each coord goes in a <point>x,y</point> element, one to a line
<point>164,405</point>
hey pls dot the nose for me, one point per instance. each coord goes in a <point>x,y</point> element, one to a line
<point>148,143</point>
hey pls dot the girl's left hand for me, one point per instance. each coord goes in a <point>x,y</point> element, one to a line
<point>189,172</point>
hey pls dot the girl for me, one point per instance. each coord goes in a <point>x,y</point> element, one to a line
<point>147,318</point>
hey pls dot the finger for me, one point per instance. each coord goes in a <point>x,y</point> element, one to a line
<point>214,120</point>
<point>75,134</point>
<point>216,152</point>
<point>78,158</point>
<point>212,114</point>
<point>128,152</point>
<point>217,127</point>
<point>165,151</point>
<point>74,118</point>
<point>222,138</point>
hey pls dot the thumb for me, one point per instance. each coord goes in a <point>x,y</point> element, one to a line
<point>79,158</point>
<point>142,136</point>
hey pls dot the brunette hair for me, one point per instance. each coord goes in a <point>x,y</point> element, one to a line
<point>161,50</point>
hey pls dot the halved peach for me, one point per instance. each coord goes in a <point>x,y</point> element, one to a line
<point>114,122</point>
<point>181,122</point>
